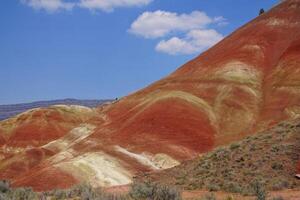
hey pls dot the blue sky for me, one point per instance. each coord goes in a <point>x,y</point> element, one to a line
<point>97,49</point>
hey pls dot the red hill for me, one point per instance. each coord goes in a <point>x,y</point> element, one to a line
<point>247,82</point>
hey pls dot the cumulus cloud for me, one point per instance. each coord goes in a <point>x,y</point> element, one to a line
<point>160,23</point>
<point>49,5</point>
<point>194,42</point>
<point>175,46</point>
<point>109,5</point>
<point>220,21</point>
<point>104,5</point>
<point>195,26</point>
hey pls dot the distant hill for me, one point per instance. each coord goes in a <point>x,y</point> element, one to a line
<point>7,111</point>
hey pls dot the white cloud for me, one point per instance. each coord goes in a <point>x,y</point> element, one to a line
<point>109,5</point>
<point>195,41</point>
<point>195,26</point>
<point>220,21</point>
<point>160,23</point>
<point>175,46</point>
<point>49,5</point>
<point>104,5</point>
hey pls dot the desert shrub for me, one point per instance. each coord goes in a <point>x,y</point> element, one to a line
<point>42,196</point>
<point>209,196</point>
<point>278,198</point>
<point>59,194</point>
<point>277,166</point>
<point>7,193</point>
<point>82,192</point>
<point>153,191</point>
<point>259,190</point>
<point>234,146</point>
<point>213,187</point>
<point>232,187</point>
<point>194,185</point>
<point>275,149</point>
<point>167,193</point>
<point>279,184</point>
<point>21,194</point>
<point>4,186</point>
<point>3,196</point>
<point>229,198</point>
<point>85,191</point>
<point>142,190</point>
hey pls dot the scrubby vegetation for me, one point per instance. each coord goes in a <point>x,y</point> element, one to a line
<point>278,198</point>
<point>6,193</point>
<point>209,196</point>
<point>139,191</point>
<point>84,192</point>
<point>150,190</point>
<point>268,158</point>
<point>79,192</point>
<point>259,191</point>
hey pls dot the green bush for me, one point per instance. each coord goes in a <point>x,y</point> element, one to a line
<point>4,186</point>
<point>153,191</point>
<point>209,196</point>
<point>167,193</point>
<point>21,194</point>
<point>277,166</point>
<point>213,187</point>
<point>142,190</point>
<point>259,190</point>
<point>83,192</point>
<point>234,146</point>
<point>7,193</point>
<point>229,198</point>
<point>59,194</point>
<point>232,187</point>
<point>279,184</point>
<point>278,198</point>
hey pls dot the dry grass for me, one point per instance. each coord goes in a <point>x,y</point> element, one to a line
<point>79,192</point>
<point>269,158</point>
<point>153,191</point>
<point>139,191</point>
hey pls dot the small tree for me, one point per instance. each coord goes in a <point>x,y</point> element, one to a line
<point>261,11</point>
<point>259,190</point>
<point>4,186</point>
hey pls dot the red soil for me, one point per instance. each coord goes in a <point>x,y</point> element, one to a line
<point>44,179</point>
<point>157,127</point>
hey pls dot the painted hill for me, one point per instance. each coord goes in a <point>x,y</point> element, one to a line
<point>268,157</point>
<point>7,111</point>
<point>246,83</point>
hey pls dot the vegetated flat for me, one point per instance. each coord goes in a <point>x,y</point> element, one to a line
<point>268,157</point>
<point>7,111</point>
